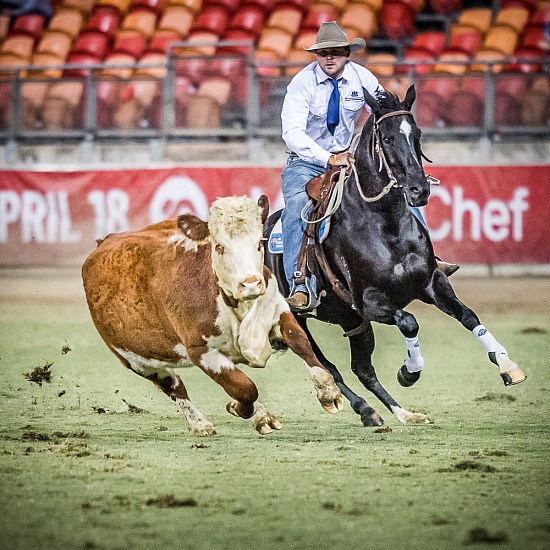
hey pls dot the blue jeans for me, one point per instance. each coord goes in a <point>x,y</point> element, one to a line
<point>296,174</point>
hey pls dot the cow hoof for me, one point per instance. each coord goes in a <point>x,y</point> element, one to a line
<point>263,421</point>
<point>406,378</point>
<point>203,429</point>
<point>371,419</point>
<point>328,393</point>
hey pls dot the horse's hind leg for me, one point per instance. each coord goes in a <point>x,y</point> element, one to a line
<point>369,417</point>
<point>362,347</point>
<point>444,297</point>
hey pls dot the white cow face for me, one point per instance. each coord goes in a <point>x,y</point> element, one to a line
<point>237,251</point>
<point>234,230</point>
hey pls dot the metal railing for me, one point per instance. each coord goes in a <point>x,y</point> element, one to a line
<point>233,95</point>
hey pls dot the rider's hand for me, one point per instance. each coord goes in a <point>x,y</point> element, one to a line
<point>343,159</point>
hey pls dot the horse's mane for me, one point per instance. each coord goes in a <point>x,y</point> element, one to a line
<point>388,101</point>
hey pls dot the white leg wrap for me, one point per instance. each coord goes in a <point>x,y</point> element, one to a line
<point>488,341</point>
<point>414,361</point>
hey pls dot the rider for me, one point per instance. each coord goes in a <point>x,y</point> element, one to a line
<point>320,109</point>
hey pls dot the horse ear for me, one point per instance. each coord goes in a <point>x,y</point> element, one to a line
<point>409,97</point>
<point>371,102</point>
<point>263,203</point>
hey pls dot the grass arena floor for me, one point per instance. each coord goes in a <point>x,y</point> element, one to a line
<point>81,469</point>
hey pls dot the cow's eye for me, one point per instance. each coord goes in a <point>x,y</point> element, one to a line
<point>219,249</point>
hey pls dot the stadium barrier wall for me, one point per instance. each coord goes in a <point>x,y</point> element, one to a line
<point>489,215</point>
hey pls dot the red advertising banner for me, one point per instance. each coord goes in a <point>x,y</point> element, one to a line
<point>479,215</point>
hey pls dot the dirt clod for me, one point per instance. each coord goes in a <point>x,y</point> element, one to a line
<point>497,397</point>
<point>385,430</point>
<point>471,465</point>
<point>170,501</point>
<point>480,535</point>
<point>40,374</point>
<point>133,408</point>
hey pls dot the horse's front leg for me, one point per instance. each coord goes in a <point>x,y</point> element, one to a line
<point>362,347</point>
<point>444,298</point>
<point>369,417</point>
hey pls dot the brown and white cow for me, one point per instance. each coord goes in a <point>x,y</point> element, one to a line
<point>188,292</point>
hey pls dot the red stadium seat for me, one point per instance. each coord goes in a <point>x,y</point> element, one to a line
<point>445,7</point>
<point>431,41</point>
<point>266,5</point>
<point>541,16</point>
<point>249,19</point>
<point>396,20</point>
<point>130,42</point>
<point>464,39</point>
<point>531,5</point>
<point>534,37</point>
<point>31,25</point>
<point>212,19</point>
<point>474,85</point>
<point>104,19</point>
<point>415,5</point>
<point>415,56</point>
<point>156,6</point>
<point>193,68</point>
<point>161,40</point>
<point>507,110</point>
<point>228,5</point>
<point>526,54</point>
<point>514,85</point>
<point>317,15</point>
<point>94,43</point>
<point>237,36</point>
<point>465,109</point>
<point>85,59</point>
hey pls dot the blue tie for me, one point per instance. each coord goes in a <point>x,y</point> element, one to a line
<point>333,113</point>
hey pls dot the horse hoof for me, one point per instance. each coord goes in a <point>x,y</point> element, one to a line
<point>406,378</point>
<point>371,419</point>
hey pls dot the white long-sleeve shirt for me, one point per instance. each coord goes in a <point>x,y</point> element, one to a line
<point>304,113</point>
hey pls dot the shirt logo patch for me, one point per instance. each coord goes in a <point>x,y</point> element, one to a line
<point>355,96</point>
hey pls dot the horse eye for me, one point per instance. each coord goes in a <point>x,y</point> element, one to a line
<point>386,140</point>
<point>219,249</point>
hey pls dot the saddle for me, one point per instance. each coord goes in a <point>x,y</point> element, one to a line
<point>311,258</point>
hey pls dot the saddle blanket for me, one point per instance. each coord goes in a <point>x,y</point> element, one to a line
<point>275,241</point>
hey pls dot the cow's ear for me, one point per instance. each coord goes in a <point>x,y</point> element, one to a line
<point>263,203</point>
<point>192,227</point>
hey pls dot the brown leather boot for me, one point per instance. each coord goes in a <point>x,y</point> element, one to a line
<point>446,267</point>
<point>298,301</point>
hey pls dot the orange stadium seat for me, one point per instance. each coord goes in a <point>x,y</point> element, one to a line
<point>158,65</point>
<point>338,5</point>
<point>68,21</point>
<point>479,18</point>
<point>50,65</point>
<point>449,62</point>
<point>4,26</point>
<point>488,56</point>
<point>277,41</point>
<point>302,5</point>
<point>264,59</point>
<point>298,56</point>
<point>19,46</point>
<point>118,65</point>
<point>130,42</point>
<point>501,39</point>
<point>32,97</point>
<point>513,17</point>
<point>381,64</point>
<point>375,5</point>
<point>104,19</point>
<point>212,19</point>
<point>248,18</point>
<point>92,42</point>
<point>396,20</point>
<point>85,6</point>
<point>177,19</point>
<point>194,6</point>
<point>121,5</point>
<point>141,21</point>
<point>200,43</point>
<point>535,110</point>
<point>360,17</point>
<point>8,62</point>
<point>55,43</point>
<point>286,18</point>
<point>306,38</point>
<point>431,41</point>
<point>464,39</point>
<point>31,25</point>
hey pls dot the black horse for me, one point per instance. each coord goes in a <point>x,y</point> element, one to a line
<point>378,258</point>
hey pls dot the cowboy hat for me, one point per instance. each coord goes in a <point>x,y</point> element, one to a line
<point>332,35</point>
